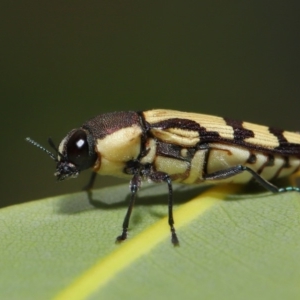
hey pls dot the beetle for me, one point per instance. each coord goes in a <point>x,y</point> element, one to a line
<point>171,146</point>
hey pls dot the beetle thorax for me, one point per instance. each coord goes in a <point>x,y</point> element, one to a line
<point>118,148</point>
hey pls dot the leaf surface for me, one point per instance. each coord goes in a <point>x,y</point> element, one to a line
<point>245,247</point>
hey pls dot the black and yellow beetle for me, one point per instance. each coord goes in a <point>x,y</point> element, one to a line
<point>172,146</point>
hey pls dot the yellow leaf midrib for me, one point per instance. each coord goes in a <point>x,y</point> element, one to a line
<point>105,269</point>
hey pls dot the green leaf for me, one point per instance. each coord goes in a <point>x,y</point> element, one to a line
<point>247,247</point>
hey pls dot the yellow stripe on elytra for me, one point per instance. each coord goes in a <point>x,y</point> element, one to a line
<point>104,270</point>
<point>262,136</point>
<point>292,137</point>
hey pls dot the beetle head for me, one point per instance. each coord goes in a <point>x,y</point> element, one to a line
<point>75,153</point>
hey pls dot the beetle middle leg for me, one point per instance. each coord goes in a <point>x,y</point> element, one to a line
<point>140,171</point>
<point>91,182</point>
<point>164,177</point>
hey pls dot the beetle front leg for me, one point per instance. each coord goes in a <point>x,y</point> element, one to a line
<point>91,182</point>
<point>164,177</point>
<point>135,183</point>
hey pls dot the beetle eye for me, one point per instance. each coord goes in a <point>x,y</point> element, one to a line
<point>79,151</point>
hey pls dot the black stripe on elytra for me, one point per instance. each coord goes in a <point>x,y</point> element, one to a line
<point>284,146</point>
<point>239,132</point>
<point>177,123</point>
<point>279,135</point>
<point>189,125</point>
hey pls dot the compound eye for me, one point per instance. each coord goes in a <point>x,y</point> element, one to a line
<point>77,150</point>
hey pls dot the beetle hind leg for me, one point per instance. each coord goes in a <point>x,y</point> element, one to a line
<point>227,173</point>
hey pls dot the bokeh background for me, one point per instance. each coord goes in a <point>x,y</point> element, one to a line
<point>63,62</point>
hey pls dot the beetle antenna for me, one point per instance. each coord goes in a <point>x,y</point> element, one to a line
<point>52,145</point>
<point>34,143</point>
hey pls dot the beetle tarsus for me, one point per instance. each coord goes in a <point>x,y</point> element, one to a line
<point>134,185</point>
<point>174,238</point>
<point>289,189</point>
<point>121,238</point>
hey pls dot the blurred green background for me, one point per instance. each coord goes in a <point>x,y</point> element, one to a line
<point>63,62</point>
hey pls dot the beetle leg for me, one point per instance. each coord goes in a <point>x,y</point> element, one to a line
<point>223,174</point>
<point>134,186</point>
<point>91,182</point>
<point>163,177</point>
